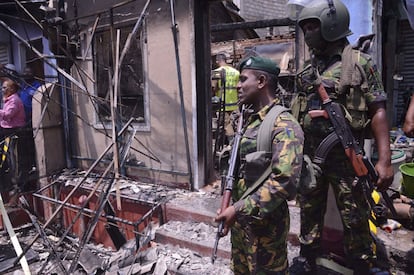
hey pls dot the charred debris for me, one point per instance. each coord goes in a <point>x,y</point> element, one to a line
<point>100,200</point>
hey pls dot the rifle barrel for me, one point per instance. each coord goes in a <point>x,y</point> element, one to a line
<point>229,180</point>
<point>362,166</point>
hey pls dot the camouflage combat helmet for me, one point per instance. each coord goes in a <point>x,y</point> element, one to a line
<point>332,14</point>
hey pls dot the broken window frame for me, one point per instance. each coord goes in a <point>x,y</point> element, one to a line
<point>4,53</point>
<point>105,122</point>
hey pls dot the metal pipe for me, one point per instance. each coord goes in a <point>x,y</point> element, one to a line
<point>35,221</point>
<point>113,91</point>
<point>23,2</point>
<point>143,218</point>
<point>66,127</point>
<point>54,214</point>
<point>15,17</point>
<point>125,150</point>
<point>92,224</point>
<point>13,238</point>
<point>117,76</point>
<point>51,64</point>
<point>133,32</point>
<point>104,196</point>
<point>119,22</point>
<point>174,29</point>
<point>29,14</point>
<point>279,22</point>
<point>48,95</point>
<point>92,35</point>
<point>86,201</point>
<point>78,208</point>
<point>135,166</point>
<point>98,12</point>
<point>47,186</point>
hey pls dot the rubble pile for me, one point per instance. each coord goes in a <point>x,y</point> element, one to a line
<point>162,259</point>
<point>45,259</point>
<point>139,191</point>
<point>96,259</point>
<point>52,254</point>
<point>205,233</point>
<point>158,256</point>
<point>184,261</point>
<point>194,231</point>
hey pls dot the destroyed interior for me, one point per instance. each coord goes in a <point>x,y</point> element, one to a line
<point>122,160</point>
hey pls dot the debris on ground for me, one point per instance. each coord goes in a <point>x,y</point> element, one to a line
<point>52,254</point>
<point>96,259</point>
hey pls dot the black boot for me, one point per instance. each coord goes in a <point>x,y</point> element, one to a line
<point>378,271</point>
<point>361,268</point>
<point>303,266</point>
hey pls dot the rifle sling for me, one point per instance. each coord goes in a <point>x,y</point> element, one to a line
<point>257,183</point>
<point>264,143</point>
<point>320,155</point>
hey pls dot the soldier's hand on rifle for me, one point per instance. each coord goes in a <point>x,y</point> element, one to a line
<point>385,175</point>
<point>229,217</point>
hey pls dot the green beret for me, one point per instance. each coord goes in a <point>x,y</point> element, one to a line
<point>260,63</point>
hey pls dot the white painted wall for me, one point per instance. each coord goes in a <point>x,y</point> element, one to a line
<point>165,137</point>
<point>361,13</point>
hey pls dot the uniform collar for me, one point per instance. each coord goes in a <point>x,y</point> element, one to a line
<point>263,112</point>
<point>330,57</point>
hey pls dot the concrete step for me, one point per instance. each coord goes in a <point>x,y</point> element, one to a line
<point>202,207</point>
<point>196,236</point>
<point>190,224</point>
<point>196,211</point>
<point>195,206</point>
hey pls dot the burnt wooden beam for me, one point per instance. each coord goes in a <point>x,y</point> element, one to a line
<point>278,22</point>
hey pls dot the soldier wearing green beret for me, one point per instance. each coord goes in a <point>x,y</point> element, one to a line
<point>259,221</point>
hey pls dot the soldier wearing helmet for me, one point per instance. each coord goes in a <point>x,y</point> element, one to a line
<point>350,79</point>
<point>333,17</point>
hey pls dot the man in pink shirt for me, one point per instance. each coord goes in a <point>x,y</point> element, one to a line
<point>12,119</point>
<point>12,115</point>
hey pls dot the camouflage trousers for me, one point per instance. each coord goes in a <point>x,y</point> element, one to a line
<point>259,246</point>
<point>353,209</point>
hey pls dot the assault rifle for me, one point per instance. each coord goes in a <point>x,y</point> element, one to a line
<point>229,180</point>
<point>362,166</point>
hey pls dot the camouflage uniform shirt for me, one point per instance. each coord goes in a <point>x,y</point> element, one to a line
<point>354,99</point>
<point>262,219</point>
<point>363,89</point>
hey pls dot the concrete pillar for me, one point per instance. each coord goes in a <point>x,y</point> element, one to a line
<point>48,131</point>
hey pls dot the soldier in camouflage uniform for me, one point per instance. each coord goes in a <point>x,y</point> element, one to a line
<point>351,80</point>
<point>260,222</point>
